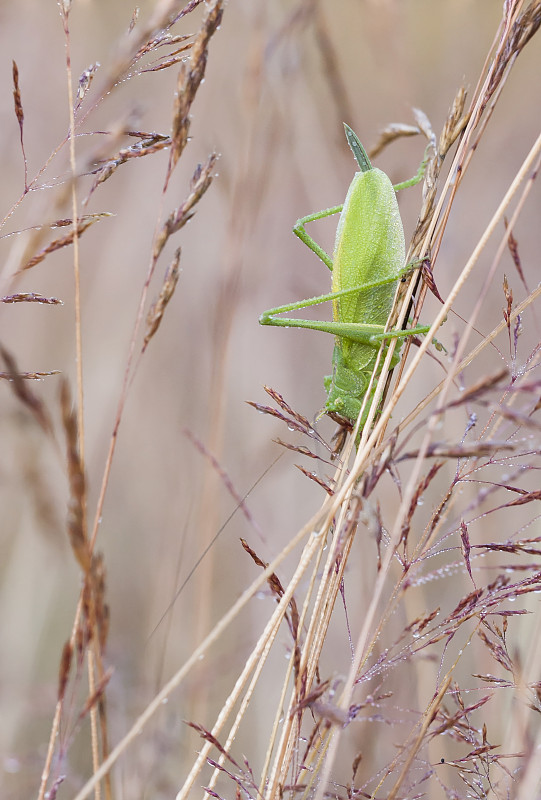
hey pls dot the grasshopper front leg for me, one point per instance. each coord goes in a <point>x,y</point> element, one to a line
<point>300,231</point>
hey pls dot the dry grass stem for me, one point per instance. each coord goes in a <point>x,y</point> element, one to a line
<point>390,647</point>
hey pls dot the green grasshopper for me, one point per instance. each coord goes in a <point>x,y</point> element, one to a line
<point>369,258</point>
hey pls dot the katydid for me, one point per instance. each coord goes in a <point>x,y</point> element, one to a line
<point>369,258</point>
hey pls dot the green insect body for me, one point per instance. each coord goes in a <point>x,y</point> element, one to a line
<point>368,260</point>
<point>369,246</point>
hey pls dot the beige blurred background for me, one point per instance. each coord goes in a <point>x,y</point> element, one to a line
<point>280,82</point>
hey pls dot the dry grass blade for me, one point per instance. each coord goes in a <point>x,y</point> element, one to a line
<point>275,585</point>
<point>83,225</point>
<point>65,666</point>
<point>101,608</point>
<point>304,451</point>
<point>428,279</point>
<point>20,118</point>
<point>133,20</point>
<point>521,32</point>
<point>279,400</point>
<point>29,376</point>
<point>273,412</point>
<point>454,124</point>
<point>466,547</point>
<point>513,249</point>
<point>23,393</point>
<point>148,144</point>
<point>359,661</point>
<point>293,419</point>
<point>91,624</point>
<point>157,310</point>
<point>85,82</point>
<point>97,694</point>
<point>190,76</point>
<point>77,502</point>
<point>444,450</point>
<point>224,477</point>
<point>527,497</point>
<point>31,297</point>
<point>420,489</point>
<point>478,389</point>
<point>390,133</point>
<point>364,643</point>
<point>313,477</point>
<point>174,58</point>
<point>201,180</point>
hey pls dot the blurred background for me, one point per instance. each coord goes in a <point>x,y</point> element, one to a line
<point>281,78</point>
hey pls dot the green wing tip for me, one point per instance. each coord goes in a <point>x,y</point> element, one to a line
<point>358,150</point>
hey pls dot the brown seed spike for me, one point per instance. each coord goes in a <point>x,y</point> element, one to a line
<point>157,310</point>
<point>83,224</point>
<point>65,665</point>
<point>190,75</point>
<point>23,393</point>
<point>76,507</point>
<point>20,117</point>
